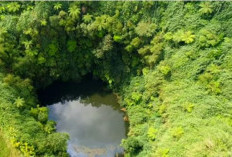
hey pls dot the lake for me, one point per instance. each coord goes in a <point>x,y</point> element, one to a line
<point>90,114</point>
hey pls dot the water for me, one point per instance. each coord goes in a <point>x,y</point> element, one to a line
<point>90,114</point>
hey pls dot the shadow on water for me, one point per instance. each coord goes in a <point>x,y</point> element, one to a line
<point>88,90</point>
<point>90,113</point>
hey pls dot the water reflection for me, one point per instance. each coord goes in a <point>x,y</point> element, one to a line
<point>91,116</point>
<point>67,91</point>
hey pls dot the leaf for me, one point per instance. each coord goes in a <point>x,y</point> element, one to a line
<point>57,6</point>
<point>19,102</point>
<point>87,18</point>
<point>74,12</point>
<point>43,22</point>
<point>13,6</point>
<point>27,44</point>
<point>206,8</point>
<point>152,133</point>
<point>188,37</point>
<point>145,29</point>
<point>71,45</point>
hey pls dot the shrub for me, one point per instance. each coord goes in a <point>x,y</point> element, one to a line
<point>206,8</point>
<point>208,38</point>
<point>19,102</point>
<point>177,132</point>
<point>165,69</point>
<point>189,107</point>
<point>181,36</point>
<point>151,133</point>
<point>145,29</point>
<point>132,145</point>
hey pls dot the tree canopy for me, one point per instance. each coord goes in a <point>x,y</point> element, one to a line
<point>170,63</point>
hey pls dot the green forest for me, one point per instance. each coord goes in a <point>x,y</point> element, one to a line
<point>169,62</point>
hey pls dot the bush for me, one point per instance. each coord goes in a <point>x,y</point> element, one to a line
<point>132,145</point>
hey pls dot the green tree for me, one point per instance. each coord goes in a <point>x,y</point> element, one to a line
<point>206,8</point>
<point>13,6</point>
<point>27,44</point>
<point>183,36</point>
<point>57,6</point>
<point>152,133</point>
<point>19,102</point>
<point>145,29</point>
<point>43,22</point>
<point>188,37</point>
<point>87,18</point>
<point>74,11</point>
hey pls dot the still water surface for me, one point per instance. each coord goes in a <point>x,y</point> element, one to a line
<point>90,114</point>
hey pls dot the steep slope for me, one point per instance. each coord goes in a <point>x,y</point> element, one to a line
<point>170,62</point>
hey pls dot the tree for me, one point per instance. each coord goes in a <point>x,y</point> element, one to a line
<point>74,12</point>
<point>43,22</point>
<point>19,102</point>
<point>152,133</point>
<point>206,8</point>
<point>183,36</point>
<point>71,45</point>
<point>57,6</point>
<point>100,23</point>
<point>208,38</point>
<point>27,44</point>
<point>188,37</point>
<point>104,47</point>
<point>13,7</point>
<point>145,29</point>
<point>87,18</point>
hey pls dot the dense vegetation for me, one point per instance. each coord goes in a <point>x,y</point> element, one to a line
<point>170,62</point>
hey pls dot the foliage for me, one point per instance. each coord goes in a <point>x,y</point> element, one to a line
<point>87,18</point>
<point>169,62</point>
<point>25,132</point>
<point>152,133</point>
<point>7,149</point>
<point>57,6</point>
<point>132,145</point>
<point>206,8</point>
<point>181,36</point>
<point>74,12</point>
<point>145,29</point>
<point>71,45</point>
<point>104,47</point>
<point>13,7</point>
<point>208,38</point>
<point>19,102</point>
<point>177,132</point>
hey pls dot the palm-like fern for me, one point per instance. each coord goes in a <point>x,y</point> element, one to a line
<point>74,12</point>
<point>182,36</point>
<point>87,18</point>
<point>188,37</point>
<point>100,23</point>
<point>57,6</point>
<point>19,102</point>
<point>206,8</point>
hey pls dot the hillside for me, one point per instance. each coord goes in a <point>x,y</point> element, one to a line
<point>169,62</point>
